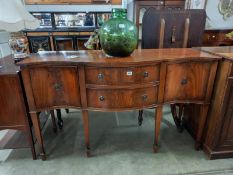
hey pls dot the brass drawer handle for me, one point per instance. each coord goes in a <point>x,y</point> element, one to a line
<point>146,74</point>
<point>101,98</point>
<point>100,76</point>
<point>144,97</point>
<point>184,81</point>
<point>57,86</point>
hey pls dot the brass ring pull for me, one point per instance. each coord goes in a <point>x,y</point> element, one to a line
<point>184,81</point>
<point>146,74</point>
<point>57,86</point>
<point>144,97</point>
<point>101,98</point>
<point>100,76</point>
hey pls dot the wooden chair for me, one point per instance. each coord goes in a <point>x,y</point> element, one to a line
<point>173,29</point>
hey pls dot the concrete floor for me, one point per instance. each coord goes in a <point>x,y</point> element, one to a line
<point>119,147</point>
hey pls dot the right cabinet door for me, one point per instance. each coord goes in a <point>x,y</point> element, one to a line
<point>186,81</point>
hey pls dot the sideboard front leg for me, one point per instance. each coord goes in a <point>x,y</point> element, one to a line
<point>140,117</point>
<point>86,131</point>
<point>36,124</point>
<point>203,115</point>
<point>158,120</point>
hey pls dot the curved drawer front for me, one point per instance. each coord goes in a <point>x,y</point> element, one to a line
<point>55,86</point>
<point>122,75</point>
<point>122,98</point>
<point>186,81</point>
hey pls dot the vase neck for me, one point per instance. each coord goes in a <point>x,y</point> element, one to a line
<point>119,13</point>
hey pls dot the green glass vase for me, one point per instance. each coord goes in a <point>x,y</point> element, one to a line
<point>118,35</point>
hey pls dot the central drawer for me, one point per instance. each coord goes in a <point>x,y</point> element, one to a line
<point>122,98</point>
<point>122,75</point>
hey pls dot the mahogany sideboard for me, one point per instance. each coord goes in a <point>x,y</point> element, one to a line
<point>90,80</point>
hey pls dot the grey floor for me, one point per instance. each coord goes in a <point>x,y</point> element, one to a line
<point>119,147</point>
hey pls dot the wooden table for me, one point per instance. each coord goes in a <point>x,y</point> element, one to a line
<point>89,80</point>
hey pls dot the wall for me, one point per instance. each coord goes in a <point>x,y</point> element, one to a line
<point>4,47</point>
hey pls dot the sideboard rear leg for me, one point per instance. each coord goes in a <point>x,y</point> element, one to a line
<point>86,131</point>
<point>59,119</point>
<point>140,117</point>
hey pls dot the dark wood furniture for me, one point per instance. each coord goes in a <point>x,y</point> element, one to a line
<point>142,5</point>
<point>216,38</point>
<point>93,81</point>
<point>68,2</point>
<point>13,113</point>
<point>218,140</point>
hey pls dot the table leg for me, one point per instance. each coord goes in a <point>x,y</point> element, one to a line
<point>86,131</point>
<point>158,120</point>
<point>59,119</point>
<point>36,124</point>
<point>53,121</point>
<point>203,115</point>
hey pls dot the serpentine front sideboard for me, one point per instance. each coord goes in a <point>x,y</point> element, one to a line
<point>90,80</point>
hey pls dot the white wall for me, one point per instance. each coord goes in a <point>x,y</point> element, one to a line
<point>4,47</point>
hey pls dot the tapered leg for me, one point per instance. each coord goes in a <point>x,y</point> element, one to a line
<point>202,121</point>
<point>86,131</point>
<point>30,139</point>
<point>158,120</point>
<point>36,125</point>
<point>59,119</point>
<point>140,117</point>
<point>53,121</point>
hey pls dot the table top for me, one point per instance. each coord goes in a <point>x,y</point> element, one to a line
<point>98,57</point>
<point>223,51</point>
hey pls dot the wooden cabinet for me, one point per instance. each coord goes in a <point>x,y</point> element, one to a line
<point>216,38</point>
<point>13,113</point>
<point>54,86</point>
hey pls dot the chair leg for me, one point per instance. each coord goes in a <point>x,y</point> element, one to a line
<point>60,121</point>
<point>140,117</point>
<point>178,118</point>
<point>53,121</point>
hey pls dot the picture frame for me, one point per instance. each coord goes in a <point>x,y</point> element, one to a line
<point>219,14</point>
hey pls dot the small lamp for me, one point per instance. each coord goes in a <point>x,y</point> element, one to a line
<point>13,18</point>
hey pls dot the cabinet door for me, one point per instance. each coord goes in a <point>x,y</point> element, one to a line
<point>55,86</point>
<point>226,137</point>
<point>187,81</point>
<point>40,43</point>
<point>64,43</point>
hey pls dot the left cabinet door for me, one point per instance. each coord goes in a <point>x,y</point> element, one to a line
<point>55,86</point>
<point>39,43</point>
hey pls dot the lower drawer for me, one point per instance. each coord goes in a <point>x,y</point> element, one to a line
<point>122,98</point>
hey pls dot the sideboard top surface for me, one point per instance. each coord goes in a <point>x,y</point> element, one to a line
<point>223,51</point>
<point>98,57</point>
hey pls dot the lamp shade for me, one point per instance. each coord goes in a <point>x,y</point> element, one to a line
<point>14,16</point>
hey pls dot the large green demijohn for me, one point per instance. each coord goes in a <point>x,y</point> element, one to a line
<point>118,35</point>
